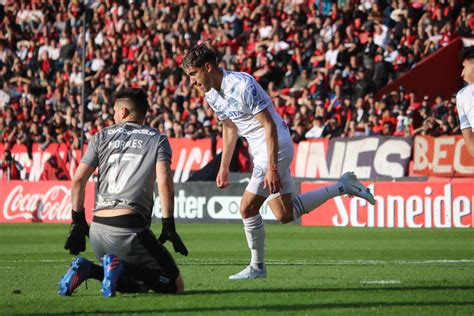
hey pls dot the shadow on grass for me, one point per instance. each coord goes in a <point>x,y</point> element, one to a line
<point>315,290</point>
<point>284,307</point>
<point>272,308</point>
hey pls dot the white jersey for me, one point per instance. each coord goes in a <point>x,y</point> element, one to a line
<point>465,105</point>
<point>240,98</point>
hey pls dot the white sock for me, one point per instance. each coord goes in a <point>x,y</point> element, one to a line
<point>306,202</point>
<point>255,233</point>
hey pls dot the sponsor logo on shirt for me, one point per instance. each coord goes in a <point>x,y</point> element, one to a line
<point>135,131</point>
<point>106,202</point>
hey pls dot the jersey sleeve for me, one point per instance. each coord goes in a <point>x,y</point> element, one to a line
<point>91,156</point>
<point>221,116</point>
<point>252,97</point>
<point>463,119</point>
<point>164,149</point>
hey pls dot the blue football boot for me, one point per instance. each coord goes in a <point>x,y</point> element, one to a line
<point>79,270</point>
<point>113,269</point>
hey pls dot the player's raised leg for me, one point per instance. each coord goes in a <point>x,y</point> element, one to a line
<point>255,234</point>
<point>287,208</point>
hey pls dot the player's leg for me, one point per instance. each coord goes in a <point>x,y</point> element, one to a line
<point>126,277</point>
<point>82,269</point>
<point>151,279</point>
<point>111,245</point>
<point>281,203</point>
<point>135,261</point>
<point>287,208</point>
<point>254,196</point>
<point>79,270</point>
<point>255,234</point>
<point>156,266</point>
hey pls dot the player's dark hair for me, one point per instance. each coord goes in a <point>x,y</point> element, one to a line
<point>199,55</point>
<point>8,155</point>
<point>467,53</point>
<point>137,97</point>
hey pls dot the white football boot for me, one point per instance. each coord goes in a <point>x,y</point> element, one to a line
<point>250,273</point>
<point>353,187</point>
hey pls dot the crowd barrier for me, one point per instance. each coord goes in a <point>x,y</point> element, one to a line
<point>411,204</point>
<point>445,156</point>
<point>372,157</point>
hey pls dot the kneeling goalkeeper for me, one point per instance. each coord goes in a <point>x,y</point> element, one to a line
<point>130,157</point>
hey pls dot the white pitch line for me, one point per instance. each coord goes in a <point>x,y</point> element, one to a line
<point>49,266</point>
<point>33,261</point>
<point>331,262</point>
<point>362,262</point>
<point>381,282</point>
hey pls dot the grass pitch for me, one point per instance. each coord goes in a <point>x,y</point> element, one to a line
<point>311,270</point>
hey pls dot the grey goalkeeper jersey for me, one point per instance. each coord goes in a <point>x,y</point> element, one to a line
<point>126,155</point>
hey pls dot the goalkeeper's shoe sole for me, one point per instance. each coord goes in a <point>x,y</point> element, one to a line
<point>353,187</point>
<point>249,273</point>
<point>113,269</point>
<point>79,270</point>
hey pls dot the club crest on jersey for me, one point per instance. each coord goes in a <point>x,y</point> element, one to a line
<point>254,90</point>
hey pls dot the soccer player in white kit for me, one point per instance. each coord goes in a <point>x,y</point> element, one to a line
<point>465,100</point>
<point>243,106</point>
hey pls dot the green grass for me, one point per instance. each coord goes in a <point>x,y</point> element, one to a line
<point>311,270</point>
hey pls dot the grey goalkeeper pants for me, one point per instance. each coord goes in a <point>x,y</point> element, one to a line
<point>122,242</point>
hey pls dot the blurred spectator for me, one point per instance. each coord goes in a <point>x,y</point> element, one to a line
<point>332,129</point>
<point>320,60</point>
<point>10,167</point>
<point>317,128</point>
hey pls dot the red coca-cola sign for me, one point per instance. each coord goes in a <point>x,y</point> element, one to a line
<point>45,201</point>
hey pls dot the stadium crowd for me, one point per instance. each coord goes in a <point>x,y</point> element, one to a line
<point>321,62</point>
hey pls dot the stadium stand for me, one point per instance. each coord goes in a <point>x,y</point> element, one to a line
<point>321,62</point>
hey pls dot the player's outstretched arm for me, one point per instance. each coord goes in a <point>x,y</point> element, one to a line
<point>166,192</point>
<point>76,239</point>
<point>229,139</point>
<point>468,140</point>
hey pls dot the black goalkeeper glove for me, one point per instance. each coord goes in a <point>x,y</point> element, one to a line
<point>168,232</point>
<point>76,239</point>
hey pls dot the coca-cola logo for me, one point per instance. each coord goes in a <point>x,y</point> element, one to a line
<point>54,205</point>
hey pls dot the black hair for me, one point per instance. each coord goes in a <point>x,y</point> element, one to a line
<point>8,155</point>
<point>199,55</point>
<point>467,53</point>
<point>137,97</point>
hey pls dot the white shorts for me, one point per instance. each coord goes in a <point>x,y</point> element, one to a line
<point>260,166</point>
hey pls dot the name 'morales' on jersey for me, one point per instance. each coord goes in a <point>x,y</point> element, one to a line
<point>126,156</point>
